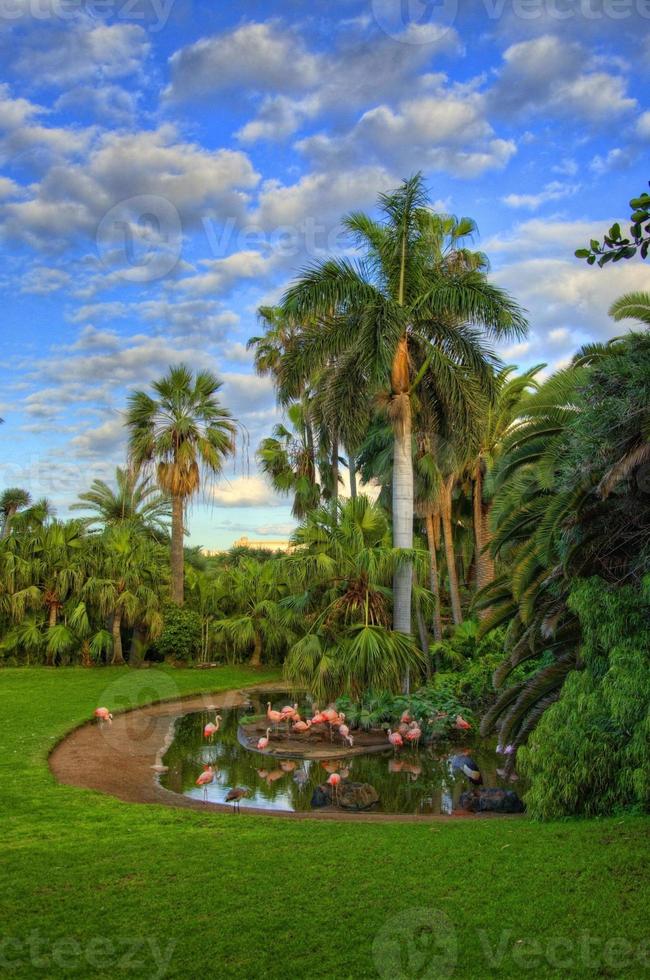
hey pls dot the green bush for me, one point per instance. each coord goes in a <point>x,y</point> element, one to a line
<point>181,635</point>
<point>590,754</point>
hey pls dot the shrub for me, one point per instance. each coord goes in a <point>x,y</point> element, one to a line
<point>590,754</point>
<point>181,634</point>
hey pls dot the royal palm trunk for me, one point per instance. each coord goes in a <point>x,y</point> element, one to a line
<point>402,488</point>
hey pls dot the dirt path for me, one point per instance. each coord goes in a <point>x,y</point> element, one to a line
<point>119,759</point>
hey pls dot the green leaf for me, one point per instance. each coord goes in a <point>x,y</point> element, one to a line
<point>582,253</point>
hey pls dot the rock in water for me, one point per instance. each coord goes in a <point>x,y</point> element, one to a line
<point>322,796</point>
<point>357,796</point>
<point>492,800</point>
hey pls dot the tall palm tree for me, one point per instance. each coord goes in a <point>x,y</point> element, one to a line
<point>11,501</point>
<point>183,434</point>
<point>134,499</point>
<point>403,291</point>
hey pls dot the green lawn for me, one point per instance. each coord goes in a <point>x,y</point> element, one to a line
<point>91,886</point>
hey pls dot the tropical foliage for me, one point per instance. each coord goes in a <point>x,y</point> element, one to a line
<point>471,539</point>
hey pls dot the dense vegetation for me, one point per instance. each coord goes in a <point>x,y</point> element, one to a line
<point>462,526</point>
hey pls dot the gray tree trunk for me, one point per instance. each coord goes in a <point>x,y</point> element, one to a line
<point>403,518</point>
<point>434,579</point>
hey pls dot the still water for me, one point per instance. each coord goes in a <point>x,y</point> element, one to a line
<point>411,782</point>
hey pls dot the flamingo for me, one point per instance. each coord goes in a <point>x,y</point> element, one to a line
<point>103,714</point>
<point>235,796</point>
<point>204,780</point>
<point>403,728</point>
<point>414,734</point>
<point>274,716</point>
<point>212,727</point>
<point>406,718</point>
<point>333,780</point>
<point>301,727</point>
<point>263,742</point>
<point>395,740</point>
<point>461,724</point>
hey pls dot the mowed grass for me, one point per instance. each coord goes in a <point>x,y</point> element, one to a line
<point>90,886</point>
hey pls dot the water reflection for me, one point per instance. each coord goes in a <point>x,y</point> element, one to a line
<point>414,781</point>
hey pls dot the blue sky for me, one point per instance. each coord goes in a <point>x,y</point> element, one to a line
<point>166,166</point>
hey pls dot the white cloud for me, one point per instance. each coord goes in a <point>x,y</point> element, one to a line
<point>554,191</point>
<point>445,130</point>
<point>643,125</point>
<point>244,491</point>
<point>253,56</point>
<point>557,77</point>
<point>84,51</point>
<point>220,275</point>
<point>616,158</point>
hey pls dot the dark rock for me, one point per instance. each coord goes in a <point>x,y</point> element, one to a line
<point>492,800</point>
<point>356,796</point>
<point>322,796</point>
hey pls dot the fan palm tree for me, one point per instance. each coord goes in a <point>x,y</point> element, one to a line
<point>258,622</point>
<point>123,585</point>
<point>183,434</point>
<point>11,501</point>
<point>134,499</point>
<point>407,288</point>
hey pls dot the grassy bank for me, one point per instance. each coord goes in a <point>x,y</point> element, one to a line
<point>91,886</point>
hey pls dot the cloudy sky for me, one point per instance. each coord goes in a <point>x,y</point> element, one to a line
<point>166,165</point>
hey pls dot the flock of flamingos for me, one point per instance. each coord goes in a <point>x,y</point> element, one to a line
<point>408,731</point>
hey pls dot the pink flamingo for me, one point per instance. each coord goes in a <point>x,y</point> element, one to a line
<point>204,780</point>
<point>462,724</point>
<point>263,742</point>
<point>103,714</point>
<point>301,727</point>
<point>212,727</point>
<point>275,717</point>
<point>414,734</point>
<point>403,728</point>
<point>333,780</point>
<point>406,718</point>
<point>395,740</point>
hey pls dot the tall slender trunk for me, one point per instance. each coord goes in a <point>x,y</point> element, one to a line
<point>423,635</point>
<point>484,560</point>
<point>448,535</point>
<point>334,462</point>
<point>256,657</point>
<point>402,488</point>
<point>116,630</point>
<point>177,590</point>
<point>52,617</point>
<point>434,581</point>
<point>352,470</point>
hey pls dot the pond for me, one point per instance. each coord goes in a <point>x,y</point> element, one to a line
<point>415,781</point>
